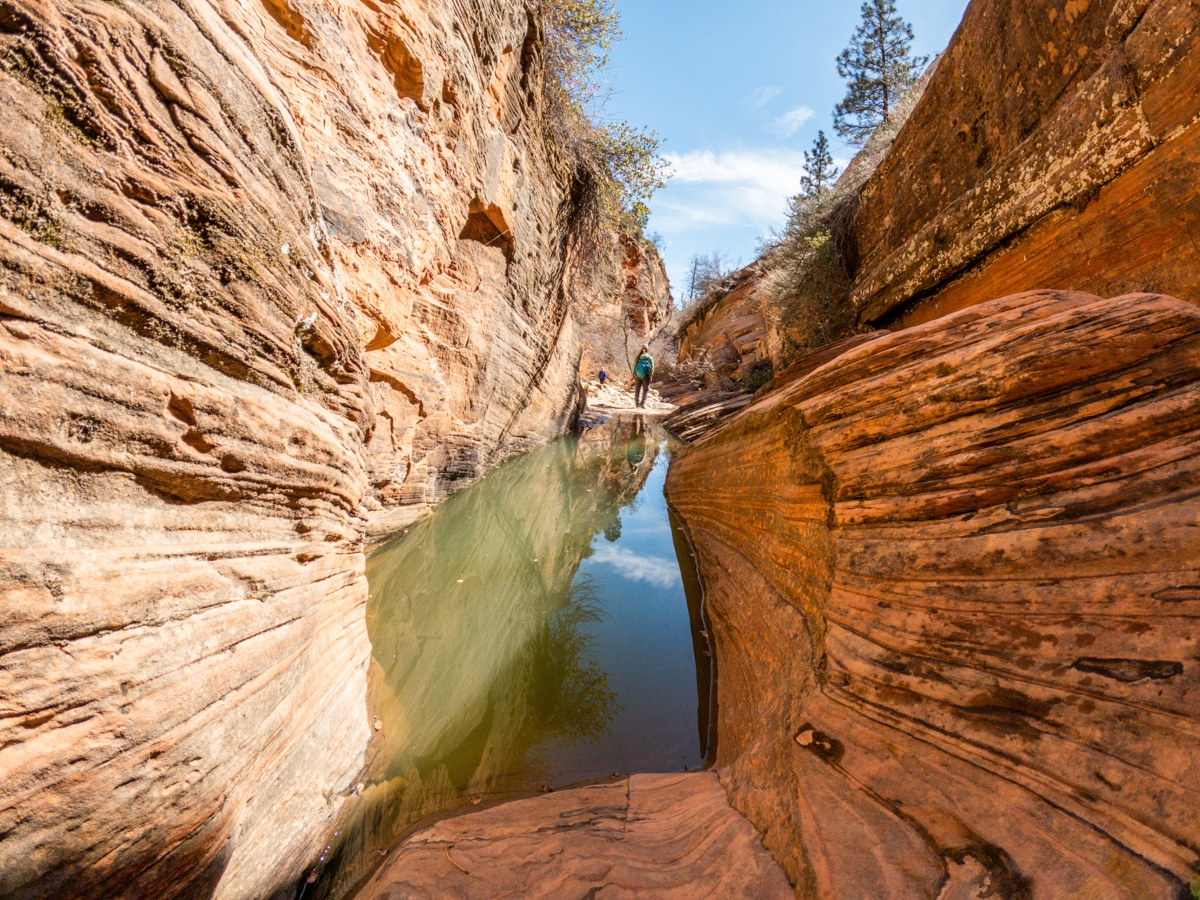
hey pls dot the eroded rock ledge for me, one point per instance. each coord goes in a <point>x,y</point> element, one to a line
<point>954,583</point>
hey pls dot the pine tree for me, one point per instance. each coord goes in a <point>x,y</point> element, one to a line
<point>878,69</point>
<point>819,170</point>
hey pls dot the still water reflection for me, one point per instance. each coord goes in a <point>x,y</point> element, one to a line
<point>535,631</point>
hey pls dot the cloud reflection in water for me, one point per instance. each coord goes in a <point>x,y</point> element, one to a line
<point>663,573</point>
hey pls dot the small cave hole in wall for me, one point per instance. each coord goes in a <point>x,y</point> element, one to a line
<point>487,225</point>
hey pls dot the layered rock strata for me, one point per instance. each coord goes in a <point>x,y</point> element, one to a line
<point>952,579</point>
<point>1055,144</point>
<point>737,327</point>
<point>626,304</point>
<point>267,270</point>
<point>657,837</point>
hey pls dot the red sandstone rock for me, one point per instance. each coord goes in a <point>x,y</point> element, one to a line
<point>736,328</point>
<point>1055,146</point>
<point>952,578</point>
<point>653,837</point>
<point>626,304</point>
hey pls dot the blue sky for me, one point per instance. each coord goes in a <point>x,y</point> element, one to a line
<point>739,90</point>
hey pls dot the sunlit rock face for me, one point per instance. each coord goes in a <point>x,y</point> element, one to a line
<point>269,269</point>
<point>737,329</point>
<point>952,576</point>
<point>446,208</point>
<point>627,300</point>
<point>1055,146</point>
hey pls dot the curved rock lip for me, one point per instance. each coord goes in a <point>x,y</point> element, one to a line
<point>951,577</point>
<point>658,837</point>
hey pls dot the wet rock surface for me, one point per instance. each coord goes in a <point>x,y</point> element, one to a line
<point>648,836</point>
<point>952,581</point>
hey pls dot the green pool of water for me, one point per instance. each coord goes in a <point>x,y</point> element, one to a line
<point>537,630</point>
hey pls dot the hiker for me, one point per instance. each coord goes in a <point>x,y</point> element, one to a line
<point>603,376</point>
<point>635,448</point>
<point>643,371</point>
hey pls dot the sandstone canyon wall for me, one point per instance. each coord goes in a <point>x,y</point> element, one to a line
<point>1056,147</point>
<point>1053,145</point>
<point>951,570</point>
<point>269,272</point>
<point>737,328</point>
<point>952,579</point>
<point>627,304</point>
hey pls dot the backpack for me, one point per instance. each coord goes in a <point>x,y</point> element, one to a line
<point>645,366</point>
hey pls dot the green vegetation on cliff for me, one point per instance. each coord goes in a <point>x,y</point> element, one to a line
<point>618,166</point>
<point>878,71</point>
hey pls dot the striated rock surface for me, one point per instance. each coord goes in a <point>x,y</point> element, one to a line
<point>626,301</point>
<point>657,837</point>
<point>643,288</point>
<point>267,270</point>
<point>1055,146</point>
<point>446,208</point>
<point>736,328</point>
<point>952,580</point>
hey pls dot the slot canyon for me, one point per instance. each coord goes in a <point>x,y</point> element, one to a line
<point>326,571</point>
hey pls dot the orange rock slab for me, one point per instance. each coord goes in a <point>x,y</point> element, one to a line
<point>954,581</point>
<point>653,837</point>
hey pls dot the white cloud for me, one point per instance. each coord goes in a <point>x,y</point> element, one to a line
<point>764,168</point>
<point>746,188</point>
<point>650,569</point>
<point>762,96</point>
<point>791,121</point>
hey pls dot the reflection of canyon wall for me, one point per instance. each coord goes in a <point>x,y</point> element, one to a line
<point>1056,145</point>
<point>952,577</point>
<point>475,626</point>
<point>268,268</point>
